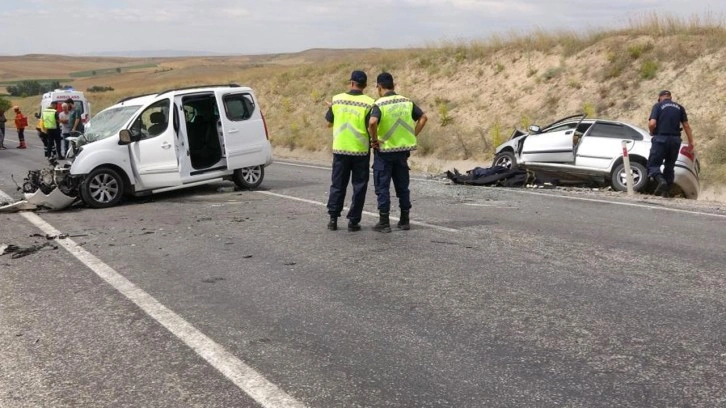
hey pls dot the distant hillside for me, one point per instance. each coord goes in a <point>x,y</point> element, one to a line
<point>475,93</point>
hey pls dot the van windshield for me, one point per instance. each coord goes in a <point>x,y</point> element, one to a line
<point>107,123</point>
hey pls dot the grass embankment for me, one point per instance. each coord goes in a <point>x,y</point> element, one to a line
<point>476,92</point>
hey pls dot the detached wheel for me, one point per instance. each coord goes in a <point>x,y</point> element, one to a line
<point>619,181</point>
<point>505,159</point>
<point>102,188</point>
<point>249,177</point>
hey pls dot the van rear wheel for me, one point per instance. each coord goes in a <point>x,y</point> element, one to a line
<point>102,188</point>
<point>249,177</point>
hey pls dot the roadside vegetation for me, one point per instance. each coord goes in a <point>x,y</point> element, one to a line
<point>475,93</point>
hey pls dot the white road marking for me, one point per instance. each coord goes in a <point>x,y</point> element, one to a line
<point>646,206</point>
<point>566,197</point>
<point>243,376</point>
<point>304,200</point>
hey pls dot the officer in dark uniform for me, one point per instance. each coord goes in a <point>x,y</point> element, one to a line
<point>394,124</point>
<point>348,116</point>
<point>666,119</point>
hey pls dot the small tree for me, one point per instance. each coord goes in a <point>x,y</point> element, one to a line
<point>5,104</point>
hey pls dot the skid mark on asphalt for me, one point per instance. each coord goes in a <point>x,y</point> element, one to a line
<point>243,376</point>
<point>304,200</point>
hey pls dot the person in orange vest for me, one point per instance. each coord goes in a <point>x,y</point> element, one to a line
<point>21,122</point>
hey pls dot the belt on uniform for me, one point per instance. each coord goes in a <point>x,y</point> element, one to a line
<point>669,134</point>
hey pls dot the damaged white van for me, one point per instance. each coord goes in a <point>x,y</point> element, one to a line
<point>170,140</point>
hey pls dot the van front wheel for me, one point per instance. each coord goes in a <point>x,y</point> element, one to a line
<point>249,177</point>
<point>102,188</point>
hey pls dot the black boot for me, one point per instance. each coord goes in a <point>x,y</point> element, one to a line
<point>662,188</point>
<point>353,226</point>
<point>333,224</point>
<point>384,224</point>
<point>403,223</point>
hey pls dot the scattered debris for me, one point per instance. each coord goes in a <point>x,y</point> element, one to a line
<point>8,248</point>
<point>50,188</point>
<point>19,252</point>
<point>247,256</point>
<point>289,263</point>
<point>212,280</point>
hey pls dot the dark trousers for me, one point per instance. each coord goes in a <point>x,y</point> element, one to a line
<point>354,169</point>
<point>54,140</point>
<point>21,134</point>
<point>664,151</point>
<point>387,167</point>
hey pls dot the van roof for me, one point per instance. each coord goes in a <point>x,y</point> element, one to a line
<point>181,91</point>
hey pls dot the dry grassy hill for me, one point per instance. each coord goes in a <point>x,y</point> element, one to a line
<point>474,93</point>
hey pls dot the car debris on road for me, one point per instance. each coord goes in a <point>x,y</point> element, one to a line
<point>47,188</point>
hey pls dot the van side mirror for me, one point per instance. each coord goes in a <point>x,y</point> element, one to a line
<point>125,137</point>
<point>534,129</point>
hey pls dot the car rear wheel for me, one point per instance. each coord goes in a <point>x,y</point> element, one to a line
<point>640,177</point>
<point>102,188</point>
<point>249,177</point>
<point>505,159</point>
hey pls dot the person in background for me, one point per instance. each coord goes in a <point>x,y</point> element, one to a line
<point>21,122</point>
<point>65,126</point>
<point>51,126</point>
<point>348,116</point>
<point>42,134</point>
<point>75,117</point>
<point>3,119</point>
<point>393,127</point>
<point>665,121</point>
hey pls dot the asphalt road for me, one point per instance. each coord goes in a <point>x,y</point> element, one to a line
<point>495,298</point>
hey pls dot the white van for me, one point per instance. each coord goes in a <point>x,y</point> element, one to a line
<point>61,95</point>
<point>170,140</point>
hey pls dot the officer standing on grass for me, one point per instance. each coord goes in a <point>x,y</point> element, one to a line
<point>348,115</point>
<point>394,124</point>
<point>665,121</point>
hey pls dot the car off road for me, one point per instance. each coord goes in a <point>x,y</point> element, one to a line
<point>166,141</point>
<point>579,149</point>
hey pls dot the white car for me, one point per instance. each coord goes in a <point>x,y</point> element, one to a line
<point>167,141</point>
<point>579,149</point>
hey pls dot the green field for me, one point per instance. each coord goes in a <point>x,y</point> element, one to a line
<point>106,71</point>
<point>42,81</point>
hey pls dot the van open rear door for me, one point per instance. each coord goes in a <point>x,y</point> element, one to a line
<point>245,141</point>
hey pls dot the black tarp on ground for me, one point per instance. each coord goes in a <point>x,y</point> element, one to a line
<point>497,176</point>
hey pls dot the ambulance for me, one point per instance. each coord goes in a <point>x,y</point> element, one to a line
<point>61,95</point>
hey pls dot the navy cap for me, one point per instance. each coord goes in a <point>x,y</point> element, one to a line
<point>359,77</point>
<point>385,80</point>
<point>664,93</point>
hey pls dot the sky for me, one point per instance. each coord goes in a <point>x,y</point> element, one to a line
<point>274,26</point>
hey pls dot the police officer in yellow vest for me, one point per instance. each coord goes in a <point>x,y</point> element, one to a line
<point>52,129</point>
<point>348,115</point>
<point>393,126</point>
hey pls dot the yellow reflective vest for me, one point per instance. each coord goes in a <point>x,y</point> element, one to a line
<point>350,131</point>
<point>49,121</point>
<point>396,128</point>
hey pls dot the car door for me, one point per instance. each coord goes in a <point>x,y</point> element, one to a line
<point>155,157</point>
<point>245,139</point>
<point>602,144</point>
<point>551,146</point>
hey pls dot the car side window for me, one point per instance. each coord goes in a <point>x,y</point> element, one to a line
<point>153,121</point>
<point>560,128</point>
<point>632,134</point>
<point>238,107</point>
<point>610,130</point>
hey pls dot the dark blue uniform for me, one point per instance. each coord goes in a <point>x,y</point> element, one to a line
<point>348,167</point>
<point>392,166</point>
<point>666,142</point>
